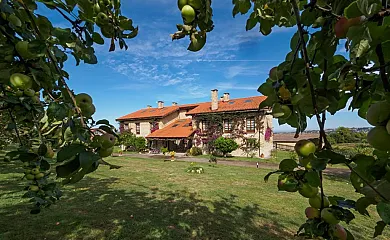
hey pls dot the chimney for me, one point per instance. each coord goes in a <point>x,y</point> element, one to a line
<point>148,106</point>
<point>214,99</point>
<point>160,104</point>
<point>226,97</point>
<point>221,99</point>
<point>174,103</point>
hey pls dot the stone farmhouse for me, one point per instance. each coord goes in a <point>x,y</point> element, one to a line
<point>179,127</point>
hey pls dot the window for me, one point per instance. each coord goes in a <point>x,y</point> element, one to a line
<point>137,128</point>
<point>227,126</point>
<point>205,125</point>
<point>250,124</point>
<point>248,101</point>
<point>125,126</point>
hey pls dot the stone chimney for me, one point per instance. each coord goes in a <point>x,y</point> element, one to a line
<point>221,99</point>
<point>160,104</point>
<point>148,106</point>
<point>214,99</point>
<point>174,103</point>
<point>226,97</point>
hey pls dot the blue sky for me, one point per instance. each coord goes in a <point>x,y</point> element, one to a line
<point>155,68</point>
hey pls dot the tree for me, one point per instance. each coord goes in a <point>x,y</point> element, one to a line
<point>312,81</point>
<point>346,135</point>
<point>225,145</point>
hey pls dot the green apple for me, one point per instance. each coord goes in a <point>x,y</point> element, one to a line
<point>107,140</point>
<point>96,8</point>
<point>83,98</point>
<point>188,13</point>
<point>338,232</point>
<point>287,183</point>
<point>196,4</point>
<point>315,202</point>
<point>181,4</point>
<point>19,93</point>
<point>312,213</point>
<point>35,171</point>
<point>305,147</point>
<point>22,49</point>
<point>328,216</point>
<point>308,191</point>
<point>379,138</point>
<point>30,176</point>
<point>378,114</point>
<point>33,188</point>
<point>14,20</point>
<point>102,19</point>
<point>305,162</point>
<point>20,81</point>
<point>36,100</point>
<point>39,175</point>
<point>197,42</point>
<point>388,127</point>
<point>105,152</point>
<point>29,92</point>
<point>87,110</point>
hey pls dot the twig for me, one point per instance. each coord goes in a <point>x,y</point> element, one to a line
<point>381,58</point>
<point>329,11</point>
<point>53,60</point>
<point>366,182</point>
<point>307,66</point>
<point>12,119</point>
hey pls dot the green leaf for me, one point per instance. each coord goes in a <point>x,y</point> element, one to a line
<point>383,209</point>
<point>97,38</point>
<point>362,205</point>
<point>45,165</point>
<point>361,48</point>
<point>108,130</point>
<point>69,151</point>
<point>369,7</point>
<point>126,24</point>
<point>380,226</point>
<point>313,178</point>
<point>352,11</point>
<point>87,159</point>
<point>266,178</point>
<point>42,150</point>
<point>266,26</point>
<point>287,165</point>
<point>319,164</point>
<point>308,17</point>
<point>267,89</point>
<point>67,169</point>
<point>241,6</point>
<point>252,21</point>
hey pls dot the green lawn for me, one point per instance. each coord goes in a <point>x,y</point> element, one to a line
<point>277,156</point>
<point>150,199</point>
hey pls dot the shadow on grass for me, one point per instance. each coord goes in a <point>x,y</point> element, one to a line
<point>94,209</point>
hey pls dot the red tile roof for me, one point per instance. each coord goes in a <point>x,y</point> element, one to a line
<point>238,104</point>
<point>181,128</point>
<point>150,113</point>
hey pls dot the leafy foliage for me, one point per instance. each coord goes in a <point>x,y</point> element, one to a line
<point>225,145</point>
<point>132,142</point>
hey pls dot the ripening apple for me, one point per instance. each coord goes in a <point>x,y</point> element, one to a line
<point>107,140</point>
<point>22,49</point>
<point>34,188</point>
<point>101,19</point>
<point>308,191</point>
<point>39,176</point>
<point>287,183</point>
<point>196,4</point>
<point>315,202</point>
<point>188,13</point>
<point>341,28</point>
<point>30,176</point>
<point>105,152</point>
<point>20,81</point>
<point>338,232</point>
<point>378,113</point>
<point>305,147</point>
<point>328,216</point>
<point>35,171</point>
<point>83,98</point>
<point>49,152</point>
<point>379,138</point>
<point>181,3</point>
<point>312,213</point>
<point>87,110</point>
<point>29,92</point>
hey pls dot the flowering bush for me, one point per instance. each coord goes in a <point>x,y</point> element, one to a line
<point>194,169</point>
<point>268,134</point>
<point>172,153</point>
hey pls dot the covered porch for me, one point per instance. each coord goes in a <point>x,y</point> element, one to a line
<point>176,136</point>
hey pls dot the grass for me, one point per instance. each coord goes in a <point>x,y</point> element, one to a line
<point>150,199</point>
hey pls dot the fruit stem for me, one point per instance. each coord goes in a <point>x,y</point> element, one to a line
<point>366,182</point>
<point>53,60</point>
<point>307,63</point>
